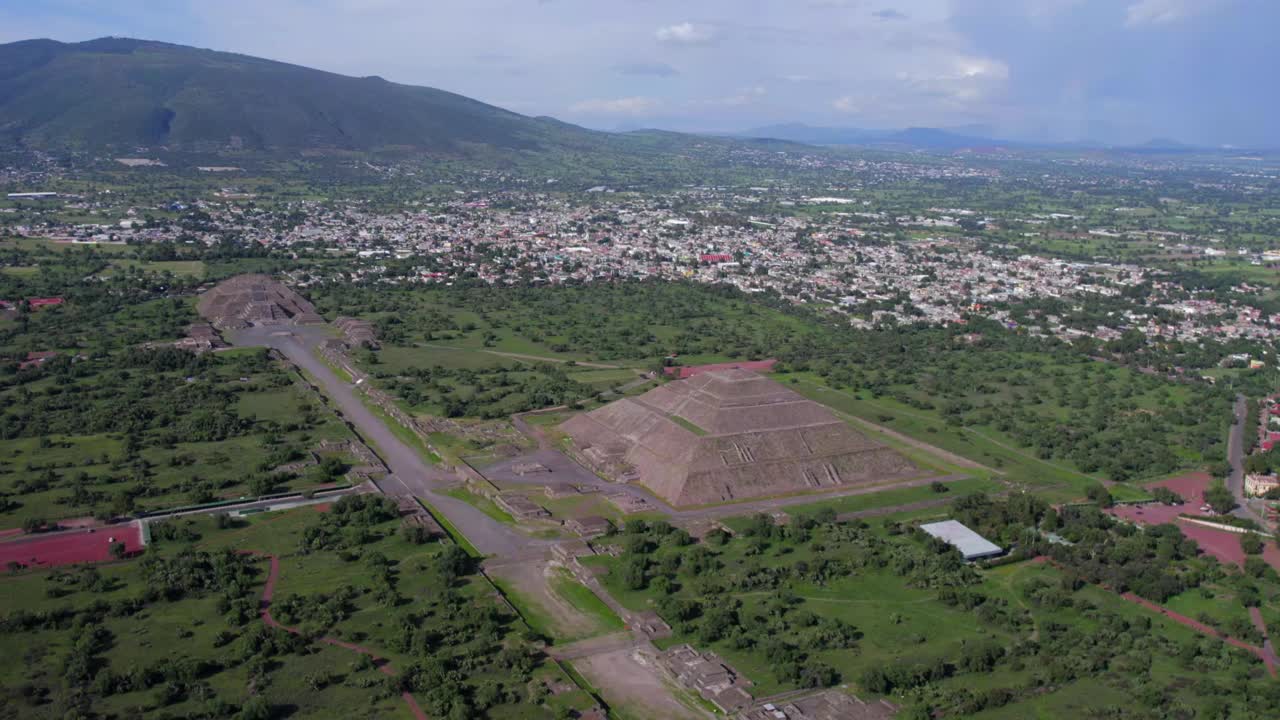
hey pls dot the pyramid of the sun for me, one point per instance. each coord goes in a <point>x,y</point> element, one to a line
<point>729,435</point>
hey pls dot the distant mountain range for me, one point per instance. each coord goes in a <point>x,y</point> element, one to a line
<point>122,92</point>
<point>935,139</point>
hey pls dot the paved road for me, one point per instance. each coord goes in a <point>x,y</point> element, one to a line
<point>1235,456</point>
<point>410,474</point>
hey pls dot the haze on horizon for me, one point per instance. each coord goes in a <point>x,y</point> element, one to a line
<point>1115,71</point>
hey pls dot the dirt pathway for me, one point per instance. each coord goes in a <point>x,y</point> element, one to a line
<point>384,667</point>
<point>1203,629</point>
<point>1266,656</point>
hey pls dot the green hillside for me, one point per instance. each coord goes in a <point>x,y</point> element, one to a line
<point>129,93</point>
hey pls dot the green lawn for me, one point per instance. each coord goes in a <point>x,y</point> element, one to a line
<point>586,602</point>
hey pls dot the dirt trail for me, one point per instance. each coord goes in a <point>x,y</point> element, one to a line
<point>384,667</point>
<point>1203,629</point>
<point>1267,657</point>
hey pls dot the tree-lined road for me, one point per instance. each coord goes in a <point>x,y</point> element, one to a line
<point>1235,457</point>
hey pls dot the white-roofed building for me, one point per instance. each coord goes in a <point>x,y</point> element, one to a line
<point>970,544</point>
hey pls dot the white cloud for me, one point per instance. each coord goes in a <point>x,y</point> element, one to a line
<point>849,104</point>
<point>617,106</point>
<point>1164,12</point>
<point>685,33</point>
<point>746,97</point>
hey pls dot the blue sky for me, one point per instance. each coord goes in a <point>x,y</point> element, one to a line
<point>1199,71</point>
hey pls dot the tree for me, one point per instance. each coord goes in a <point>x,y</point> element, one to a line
<point>1251,543</point>
<point>256,708</point>
<point>635,576</point>
<point>1220,499</point>
<point>1100,495</point>
<point>117,550</point>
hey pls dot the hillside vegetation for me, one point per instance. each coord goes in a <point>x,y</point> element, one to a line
<point>151,94</point>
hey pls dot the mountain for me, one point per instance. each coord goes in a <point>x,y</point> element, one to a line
<point>916,137</point>
<point>799,132</point>
<point>123,92</point>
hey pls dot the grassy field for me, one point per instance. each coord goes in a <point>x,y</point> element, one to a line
<point>1055,480</point>
<point>586,602</point>
<point>902,496</point>
<point>185,268</point>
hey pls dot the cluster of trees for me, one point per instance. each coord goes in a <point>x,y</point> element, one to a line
<point>149,401</point>
<point>349,523</point>
<point>1151,562</point>
<point>702,598</point>
<point>623,320</point>
<point>486,392</point>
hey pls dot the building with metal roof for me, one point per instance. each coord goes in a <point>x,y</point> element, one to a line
<point>970,544</point>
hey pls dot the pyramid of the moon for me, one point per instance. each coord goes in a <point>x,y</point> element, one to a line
<point>730,435</point>
<point>246,300</point>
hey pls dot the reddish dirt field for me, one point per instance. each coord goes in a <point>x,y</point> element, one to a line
<point>1190,486</point>
<point>67,548</point>
<point>753,365</point>
<point>1222,544</point>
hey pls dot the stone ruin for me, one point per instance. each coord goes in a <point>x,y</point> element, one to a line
<point>246,300</point>
<point>730,435</point>
<point>357,333</point>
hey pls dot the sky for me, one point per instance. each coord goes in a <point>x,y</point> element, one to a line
<point>1115,71</point>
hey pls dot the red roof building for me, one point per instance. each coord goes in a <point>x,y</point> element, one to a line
<point>715,257</point>
<point>44,302</point>
<point>35,359</point>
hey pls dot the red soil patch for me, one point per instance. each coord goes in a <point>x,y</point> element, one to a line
<point>67,548</point>
<point>1190,486</point>
<point>1222,544</point>
<point>753,365</point>
<point>323,507</point>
